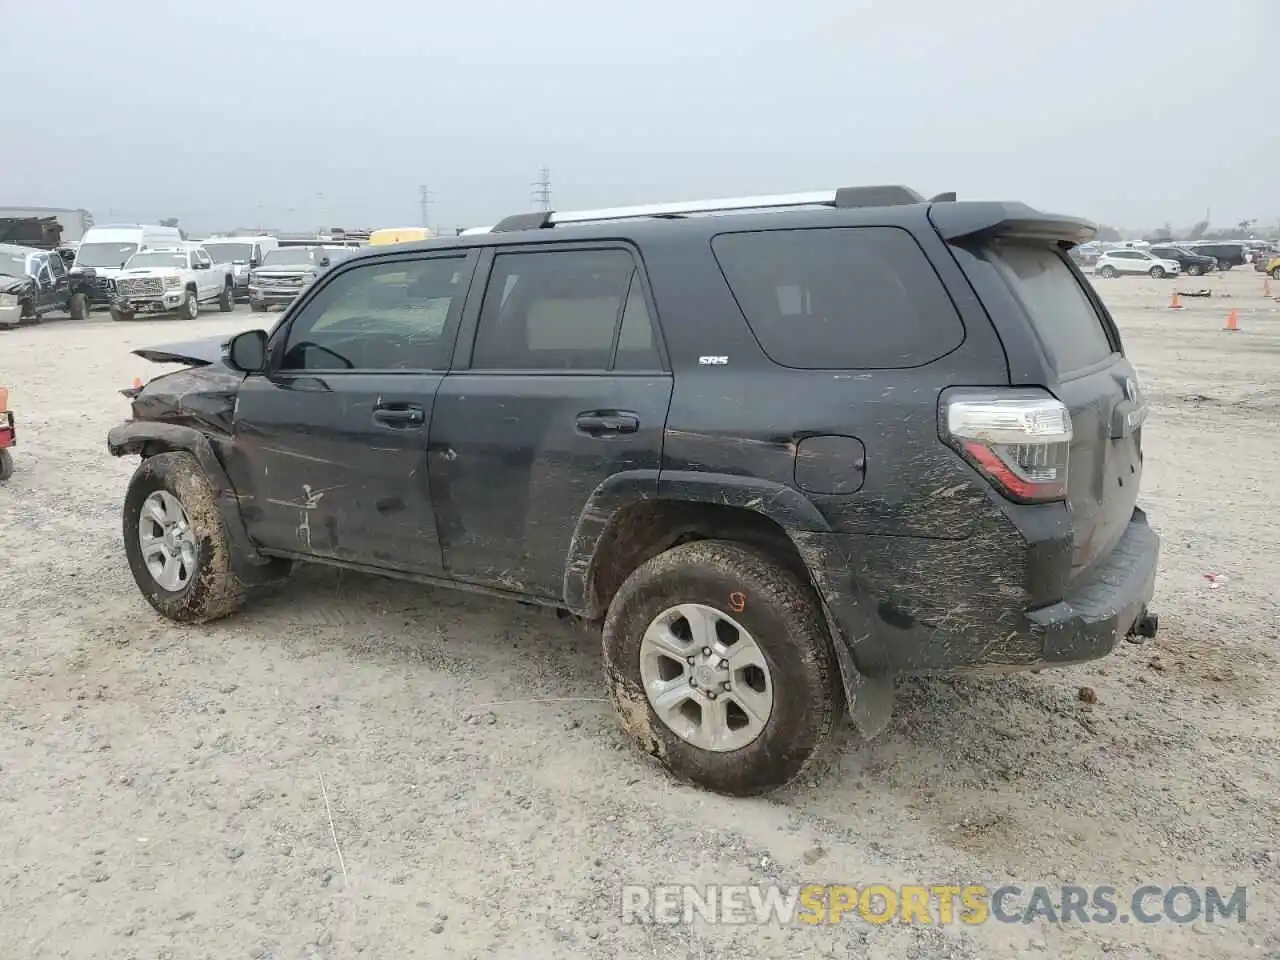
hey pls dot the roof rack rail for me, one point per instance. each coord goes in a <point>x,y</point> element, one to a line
<point>843,197</point>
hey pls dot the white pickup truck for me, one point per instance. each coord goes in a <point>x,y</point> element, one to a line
<point>173,280</point>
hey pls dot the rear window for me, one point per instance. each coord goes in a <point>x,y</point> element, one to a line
<point>1061,313</point>
<point>838,298</point>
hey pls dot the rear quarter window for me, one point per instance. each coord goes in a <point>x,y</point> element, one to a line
<point>1060,311</point>
<point>840,298</point>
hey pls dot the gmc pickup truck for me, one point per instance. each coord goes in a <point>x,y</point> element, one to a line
<point>175,280</point>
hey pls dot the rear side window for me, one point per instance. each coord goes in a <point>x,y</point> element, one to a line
<point>1060,311</point>
<point>840,298</point>
<point>565,310</point>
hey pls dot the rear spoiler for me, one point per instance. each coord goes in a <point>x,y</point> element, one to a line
<point>977,220</point>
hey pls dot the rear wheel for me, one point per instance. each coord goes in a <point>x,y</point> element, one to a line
<point>1275,273</point>
<point>78,307</point>
<point>6,465</point>
<point>719,664</point>
<point>1107,271</point>
<point>1157,273</point>
<point>227,299</point>
<point>176,542</point>
<point>1195,270</point>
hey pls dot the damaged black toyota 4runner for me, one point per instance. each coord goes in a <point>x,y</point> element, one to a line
<point>777,450</point>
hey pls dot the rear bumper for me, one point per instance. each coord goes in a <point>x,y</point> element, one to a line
<point>908,605</point>
<point>1093,618</point>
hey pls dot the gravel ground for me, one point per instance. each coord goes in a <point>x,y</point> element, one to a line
<point>163,789</point>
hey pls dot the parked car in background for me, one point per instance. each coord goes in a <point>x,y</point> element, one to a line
<point>244,254</point>
<point>286,272</point>
<point>175,280</point>
<point>104,250</point>
<point>1228,253</point>
<point>1192,264</point>
<point>34,283</point>
<point>1116,263</point>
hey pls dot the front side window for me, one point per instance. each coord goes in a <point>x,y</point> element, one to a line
<point>394,315</point>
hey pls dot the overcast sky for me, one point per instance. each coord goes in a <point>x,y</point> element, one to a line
<point>299,114</point>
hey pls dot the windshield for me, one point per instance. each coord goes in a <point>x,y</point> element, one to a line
<point>104,254</point>
<point>157,259</point>
<point>230,252</point>
<point>292,255</point>
<point>13,265</point>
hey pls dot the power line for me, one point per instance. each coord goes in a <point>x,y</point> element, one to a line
<point>424,204</point>
<point>542,188</point>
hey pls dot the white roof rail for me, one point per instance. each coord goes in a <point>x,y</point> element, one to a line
<point>870,196</point>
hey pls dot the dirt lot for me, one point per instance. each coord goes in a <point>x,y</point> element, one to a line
<point>161,792</point>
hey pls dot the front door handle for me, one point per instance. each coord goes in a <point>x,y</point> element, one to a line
<point>400,415</point>
<point>603,423</point>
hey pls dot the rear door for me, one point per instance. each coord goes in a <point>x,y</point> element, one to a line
<point>1086,369</point>
<point>564,388</point>
<point>331,447</point>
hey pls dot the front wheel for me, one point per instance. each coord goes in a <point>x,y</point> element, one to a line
<point>227,299</point>
<point>176,542</point>
<point>190,308</point>
<point>1157,273</point>
<point>1107,272</point>
<point>719,664</point>
<point>118,315</point>
<point>257,306</point>
<point>78,307</point>
<point>1275,273</point>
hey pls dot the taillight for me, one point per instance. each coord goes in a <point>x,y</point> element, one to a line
<point>1020,440</point>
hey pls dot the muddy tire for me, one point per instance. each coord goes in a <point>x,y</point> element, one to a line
<point>183,568</point>
<point>78,307</point>
<point>6,465</point>
<point>121,315</point>
<point>227,299</point>
<point>732,593</point>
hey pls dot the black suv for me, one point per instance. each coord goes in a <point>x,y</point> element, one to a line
<point>1192,264</point>
<point>1228,253</point>
<point>777,450</point>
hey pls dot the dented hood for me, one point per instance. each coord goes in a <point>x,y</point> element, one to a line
<point>192,353</point>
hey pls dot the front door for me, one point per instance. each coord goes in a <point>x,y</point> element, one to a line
<point>564,388</point>
<point>331,446</point>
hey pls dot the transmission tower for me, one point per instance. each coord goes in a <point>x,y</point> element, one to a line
<point>424,204</point>
<point>542,188</point>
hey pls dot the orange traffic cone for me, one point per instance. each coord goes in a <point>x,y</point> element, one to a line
<point>1176,302</point>
<point>1233,321</point>
<point>137,383</point>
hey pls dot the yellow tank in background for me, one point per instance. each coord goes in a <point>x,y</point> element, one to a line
<point>389,235</point>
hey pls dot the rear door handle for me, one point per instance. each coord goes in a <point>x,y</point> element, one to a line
<point>400,415</point>
<point>603,423</point>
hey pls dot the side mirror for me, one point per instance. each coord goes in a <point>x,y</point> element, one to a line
<point>247,352</point>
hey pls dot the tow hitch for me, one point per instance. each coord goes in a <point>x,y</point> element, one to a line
<point>1145,626</point>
